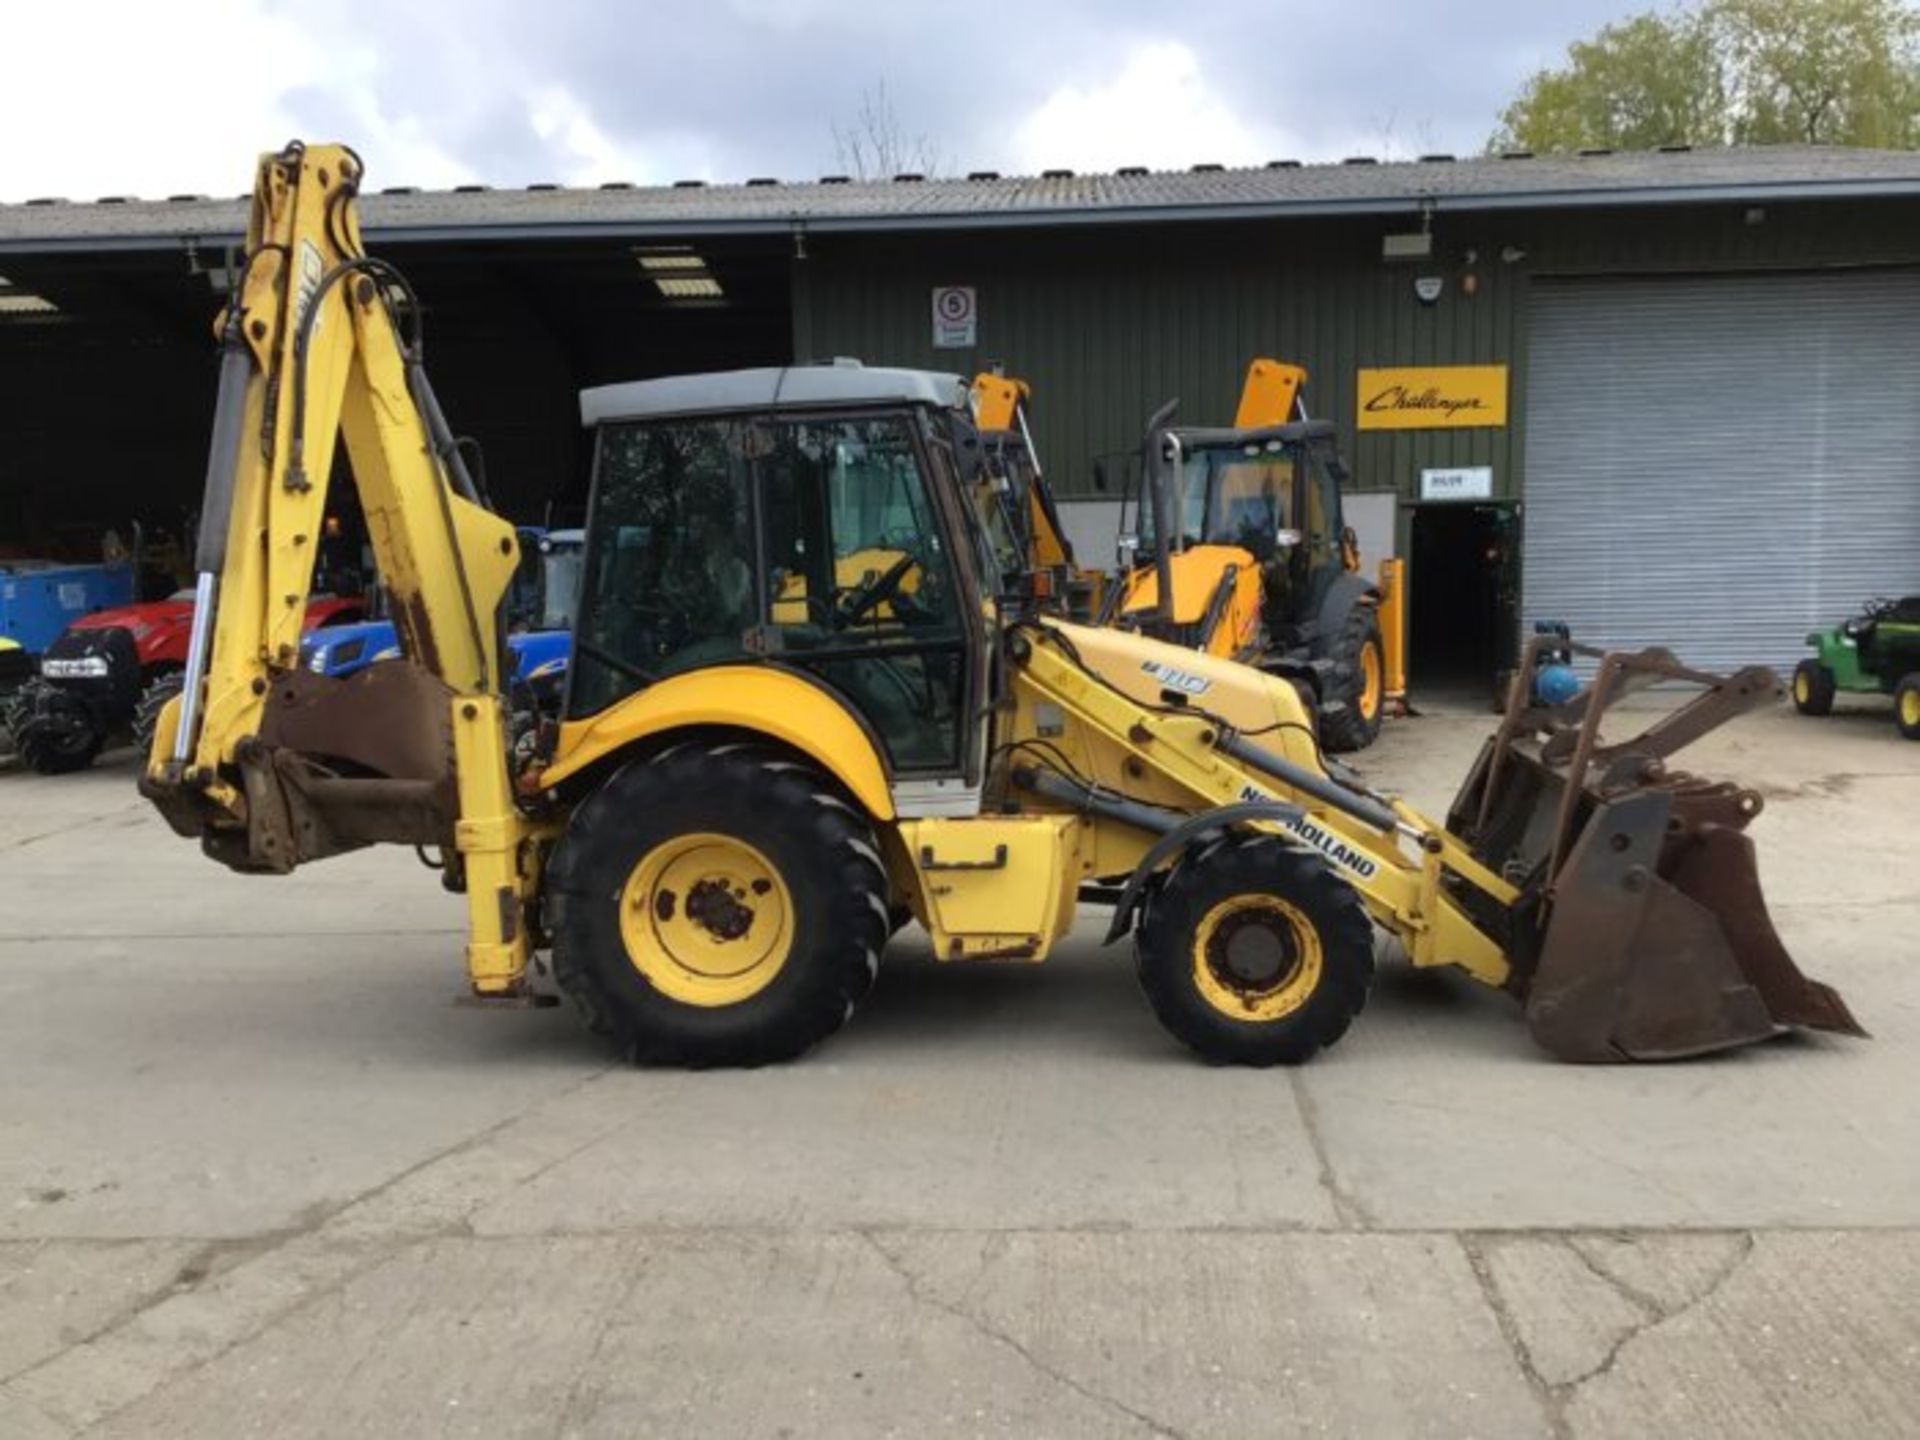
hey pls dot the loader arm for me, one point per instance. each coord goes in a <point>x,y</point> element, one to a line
<point>267,764</point>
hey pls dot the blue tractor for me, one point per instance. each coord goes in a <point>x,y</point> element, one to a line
<point>540,609</point>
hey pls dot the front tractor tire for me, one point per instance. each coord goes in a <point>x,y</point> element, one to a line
<point>718,906</point>
<point>1255,953</point>
<point>1906,706</point>
<point>1359,682</point>
<point>53,733</point>
<point>1813,688</point>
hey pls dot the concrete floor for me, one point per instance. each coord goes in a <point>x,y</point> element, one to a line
<point>259,1176</point>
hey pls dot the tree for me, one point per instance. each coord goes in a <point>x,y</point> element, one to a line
<point>1755,72</point>
<point>1836,72</point>
<point>876,146</point>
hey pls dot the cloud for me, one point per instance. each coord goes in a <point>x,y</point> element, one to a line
<point>1157,110</point>
<point>1161,109</point>
<point>437,92</point>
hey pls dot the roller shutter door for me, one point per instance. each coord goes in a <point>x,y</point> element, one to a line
<point>1719,464</point>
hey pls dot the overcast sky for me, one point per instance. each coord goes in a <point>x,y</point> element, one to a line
<point>137,97</point>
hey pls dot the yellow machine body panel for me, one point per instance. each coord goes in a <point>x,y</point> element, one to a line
<point>1265,709</point>
<point>1197,575</point>
<point>1049,550</point>
<point>1269,394</point>
<point>997,400</point>
<point>1393,628</point>
<point>776,703</point>
<point>1000,887</point>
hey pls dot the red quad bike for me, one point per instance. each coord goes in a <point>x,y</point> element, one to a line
<point>117,668</point>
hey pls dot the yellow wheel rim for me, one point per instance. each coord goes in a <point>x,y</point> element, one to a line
<point>1371,684</point>
<point>1802,691</point>
<point>1910,709</point>
<point>1256,957</point>
<point>707,919</point>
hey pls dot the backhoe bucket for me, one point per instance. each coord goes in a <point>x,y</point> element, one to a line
<point>1641,932</point>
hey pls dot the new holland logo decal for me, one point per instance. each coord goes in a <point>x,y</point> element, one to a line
<point>1355,862</point>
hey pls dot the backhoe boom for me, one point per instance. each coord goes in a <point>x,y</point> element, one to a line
<point>269,765</point>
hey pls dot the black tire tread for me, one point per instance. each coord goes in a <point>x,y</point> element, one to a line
<point>35,742</point>
<point>1908,684</point>
<point>1820,688</point>
<point>1345,730</point>
<point>1236,866</point>
<point>836,874</point>
<point>153,699</point>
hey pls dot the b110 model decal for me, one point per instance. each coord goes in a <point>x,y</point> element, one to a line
<point>1173,678</point>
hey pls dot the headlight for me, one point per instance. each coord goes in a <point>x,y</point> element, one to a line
<point>317,659</point>
<point>85,667</point>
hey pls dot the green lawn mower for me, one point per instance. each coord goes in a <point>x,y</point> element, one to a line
<point>1877,652</point>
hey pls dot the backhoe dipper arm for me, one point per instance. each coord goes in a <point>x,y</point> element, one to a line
<point>271,766</point>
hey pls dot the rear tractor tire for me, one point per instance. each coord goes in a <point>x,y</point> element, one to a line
<point>1812,688</point>
<point>1255,953</point>
<point>1359,682</point>
<point>1906,706</point>
<point>720,905</point>
<point>153,699</point>
<point>52,733</point>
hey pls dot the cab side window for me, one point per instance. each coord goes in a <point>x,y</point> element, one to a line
<point>669,574</point>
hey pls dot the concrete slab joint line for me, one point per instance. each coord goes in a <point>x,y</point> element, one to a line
<point>1347,1208</point>
<point>1555,1396</point>
<point>244,1257</point>
<point>918,1292</point>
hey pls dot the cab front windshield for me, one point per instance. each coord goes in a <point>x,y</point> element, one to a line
<point>1239,495</point>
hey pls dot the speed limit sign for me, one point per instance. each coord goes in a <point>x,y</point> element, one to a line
<point>956,317</point>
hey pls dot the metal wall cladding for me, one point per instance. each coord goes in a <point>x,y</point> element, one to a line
<point>1109,324</point>
<point>1720,463</point>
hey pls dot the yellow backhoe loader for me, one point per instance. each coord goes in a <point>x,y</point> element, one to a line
<point>764,758</point>
<point>1241,549</point>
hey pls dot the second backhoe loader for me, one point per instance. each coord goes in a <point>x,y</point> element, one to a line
<point>1241,549</point>
<point>767,754</point>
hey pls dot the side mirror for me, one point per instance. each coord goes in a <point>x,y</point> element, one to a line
<point>1100,476</point>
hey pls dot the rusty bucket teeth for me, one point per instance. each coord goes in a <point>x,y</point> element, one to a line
<point>1649,937</point>
<point>1645,961</point>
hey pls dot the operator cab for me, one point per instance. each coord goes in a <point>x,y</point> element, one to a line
<point>813,518</point>
<point>1273,492</point>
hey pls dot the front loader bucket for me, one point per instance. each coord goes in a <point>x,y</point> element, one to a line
<point>1641,933</point>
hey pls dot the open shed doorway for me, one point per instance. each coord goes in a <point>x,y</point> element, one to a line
<point>1463,572</point>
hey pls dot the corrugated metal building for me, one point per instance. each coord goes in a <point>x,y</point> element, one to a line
<point>1705,359</point>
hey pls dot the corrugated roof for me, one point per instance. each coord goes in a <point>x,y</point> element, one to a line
<point>985,200</point>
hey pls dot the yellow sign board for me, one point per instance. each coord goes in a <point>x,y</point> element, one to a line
<point>1433,397</point>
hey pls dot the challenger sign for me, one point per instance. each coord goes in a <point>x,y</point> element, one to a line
<point>1433,397</point>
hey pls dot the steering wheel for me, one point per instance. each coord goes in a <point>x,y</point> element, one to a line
<point>870,594</point>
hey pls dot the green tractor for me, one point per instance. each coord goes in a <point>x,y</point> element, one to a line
<point>1877,652</point>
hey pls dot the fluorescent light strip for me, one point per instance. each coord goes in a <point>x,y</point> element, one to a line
<point>689,287</point>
